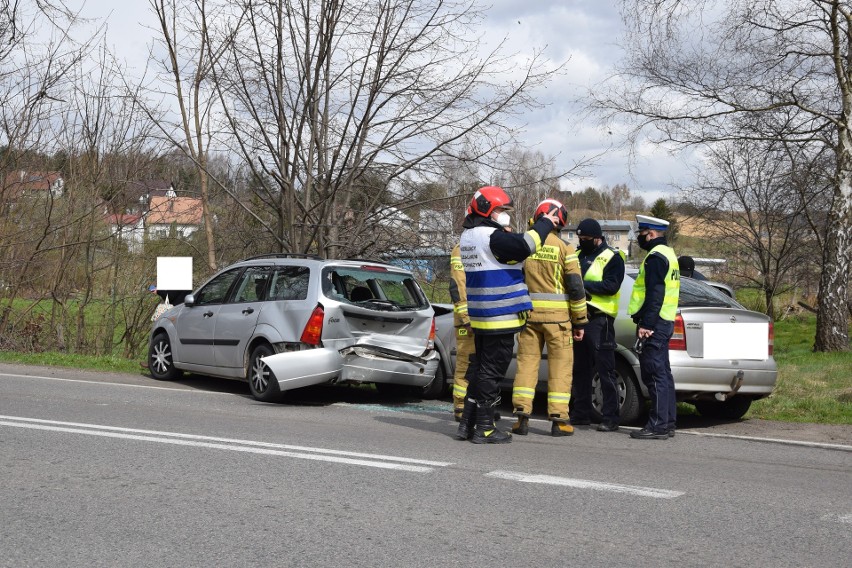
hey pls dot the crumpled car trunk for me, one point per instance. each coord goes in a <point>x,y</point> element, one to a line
<point>371,358</point>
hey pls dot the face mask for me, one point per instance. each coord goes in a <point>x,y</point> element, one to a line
<point>642,241</point>
<point>503,219</point>
<point>587,246</point>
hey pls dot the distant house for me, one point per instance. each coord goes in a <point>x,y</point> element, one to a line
<point>22,183</point>
<point>619,234</point>
<point>129,228</point>
<point>184,214</point>
<point>436,230</point>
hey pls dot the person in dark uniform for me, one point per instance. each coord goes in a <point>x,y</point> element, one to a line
<point>603,273</point>
<point>653,307</point>
<point>497,303</point>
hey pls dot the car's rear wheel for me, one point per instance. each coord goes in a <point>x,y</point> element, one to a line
<point>261,379</point>
<point>732,409</point>
<point>437,387</point>
<point>629,399</point>
<point>160,361</point>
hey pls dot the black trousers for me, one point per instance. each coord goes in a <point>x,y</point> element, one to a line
<point>595,354</point>
<point>488,365</point>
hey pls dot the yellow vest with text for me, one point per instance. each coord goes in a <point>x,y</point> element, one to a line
<point>668,311</point>
<point>595,273</point>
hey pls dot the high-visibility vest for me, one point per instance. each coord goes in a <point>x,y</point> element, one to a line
<point>497,297</point>
<point>595,273</point>
<point>668,311</point>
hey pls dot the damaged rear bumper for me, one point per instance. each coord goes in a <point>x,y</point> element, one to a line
<point>358,363</point>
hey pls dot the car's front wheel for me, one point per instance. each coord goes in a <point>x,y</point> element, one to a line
<point>261,379</point>
<point>160,359</point>
<point>629,399</point>
<point>732,409</point>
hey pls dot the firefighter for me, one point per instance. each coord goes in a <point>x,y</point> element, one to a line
<point>464,335</point>
<point>498,302</point>
<point>555,284</point>
<point>653,307</point>
<point>603,273</point>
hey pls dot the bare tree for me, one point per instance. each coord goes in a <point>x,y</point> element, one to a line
<point>750,201</point>
<point>187,65</point>
<point>331,103</point>
<point>703,71</point>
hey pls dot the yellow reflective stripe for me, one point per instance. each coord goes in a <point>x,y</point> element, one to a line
<point>459,308</point>
<point>558,397</point>
<point>550,304</point>
<point>523,392</point>
<point>533,238</point>
<point>459,390</point>
<point>497,324</point>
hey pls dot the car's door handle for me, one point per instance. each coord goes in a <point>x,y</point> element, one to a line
<point>248,311</point>
<point>208,314</point>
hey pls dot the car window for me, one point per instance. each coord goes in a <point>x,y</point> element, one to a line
<point>376,287</point>
<point>215,291</point>
<point>694,293</point>
<point>290,283</point>
<point>252,284</point>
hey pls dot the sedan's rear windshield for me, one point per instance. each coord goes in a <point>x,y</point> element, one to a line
<point>695,294</point>
<point>373,287</point>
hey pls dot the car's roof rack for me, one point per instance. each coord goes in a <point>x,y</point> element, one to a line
<point>284,255</point>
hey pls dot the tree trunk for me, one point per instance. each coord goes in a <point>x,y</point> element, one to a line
<point>832,329</point>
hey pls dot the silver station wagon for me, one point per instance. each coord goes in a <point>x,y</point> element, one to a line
<point>720,354</point>
<point>287,321</point>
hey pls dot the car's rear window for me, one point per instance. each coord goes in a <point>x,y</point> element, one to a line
<point>695,294</point>
<point>374,287</point>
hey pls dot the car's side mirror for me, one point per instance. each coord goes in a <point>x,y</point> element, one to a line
<point>189,300</point>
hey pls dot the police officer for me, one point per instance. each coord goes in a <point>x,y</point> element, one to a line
<point>603,273</point>
<point>555,284</point>
<point>497,302</point>
<point>653,306</point>
<point>464,336</point>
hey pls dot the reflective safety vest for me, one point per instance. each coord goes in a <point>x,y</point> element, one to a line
<point>497,298</point>
<point>669,309</point>
<point>595,273</point>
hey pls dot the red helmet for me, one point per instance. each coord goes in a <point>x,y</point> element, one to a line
<point>551,205</point>
<point>488,198</point>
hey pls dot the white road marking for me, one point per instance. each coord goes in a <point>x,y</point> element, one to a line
<point>841,447</point>
<point>585,484</point>
<point>846,519</point>
<point>267,448</point>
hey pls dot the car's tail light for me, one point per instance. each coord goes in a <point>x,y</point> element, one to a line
<point>313,329</point>
<point>771,337</point>
<point>678,340</point>
<point>431,343</point>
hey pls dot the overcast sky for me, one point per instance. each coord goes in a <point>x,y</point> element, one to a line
<point>585,33</point>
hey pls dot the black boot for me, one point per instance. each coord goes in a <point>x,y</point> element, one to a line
<point>467,421</point>
<point>485,431</point>
<point>522,426</point>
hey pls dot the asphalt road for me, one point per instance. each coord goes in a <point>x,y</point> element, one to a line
<point>120,470</point>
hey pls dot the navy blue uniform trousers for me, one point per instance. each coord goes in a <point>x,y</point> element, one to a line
<point>595,354</point>
<point>658,379</point>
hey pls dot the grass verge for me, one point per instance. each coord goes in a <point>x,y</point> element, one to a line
<point>812,387</point>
